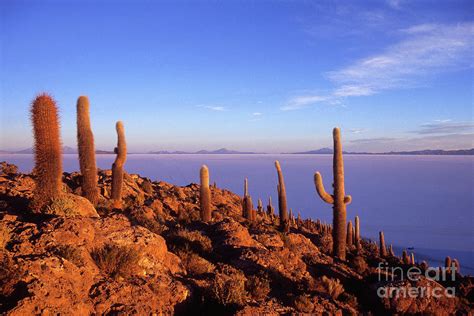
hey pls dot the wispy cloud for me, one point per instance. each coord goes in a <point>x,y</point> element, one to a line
<point>301,102</point>
<point>445,127</point>
<point>257,114</point>
<point>373,140</point>
<point>357,130</point>
<point>213,107</point>
<point>425,51</point>
<point>395,4</point>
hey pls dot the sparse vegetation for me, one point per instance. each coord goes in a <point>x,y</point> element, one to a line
<point>228,287</point>
<point>116,261</point>
<point>4,235</point>
<point>303,304</point>
<point>70,253</point>
<point>258,286</point>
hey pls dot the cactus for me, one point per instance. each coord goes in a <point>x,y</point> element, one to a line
<point>448,263</point>
<point>390,251</point>
<point>205,195</point>
<point>339,200</point>
<point>117,166</point>
<point>260,207</point>
<point>405,257</point>
<point>282,207</point>
<point>349,240</point>
<point>424,265</point>
<point>357,232</point>
<point>412,258</point>
<point>85,144</point>
<point>48,163</point>
<point>270,208</point>
<point>383,249</point>
<point>247,205</point>
<point>457,266</point>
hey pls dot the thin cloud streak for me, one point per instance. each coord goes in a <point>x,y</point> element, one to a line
<point>445,127</point>
<point>213,108</point>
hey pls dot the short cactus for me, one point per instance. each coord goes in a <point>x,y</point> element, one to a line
<point>457,266</point>
<point>357,232</point>
<point>339,200</point>
<point>117,166</point>
<point>270,208</point>
<point>448,263</point>
<point>391,252</point>
<point>48,163</point>
<point>205,195</point>
<point>349,240</point>
<point>282,206</point>
<point>260,206</point>
<point>382,248</point>
<point>85,144</point>
<point>412,259</point>
<point>405,257</point>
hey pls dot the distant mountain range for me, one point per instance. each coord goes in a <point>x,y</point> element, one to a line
<point>221,151</point>
<point>415,152</point>
<point>224,151</point>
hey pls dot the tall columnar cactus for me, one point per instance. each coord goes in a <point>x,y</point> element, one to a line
<point>349,234</point>
<point>383,249</point>
<point>282,206</point>
<point>247,205</point>
<point>339,200</point>
<point>117,166</point>
<point>457,266</point>
<point>205,195</point>
<point>412,259</point>
<point>85,144</point>
<point>48,162</point>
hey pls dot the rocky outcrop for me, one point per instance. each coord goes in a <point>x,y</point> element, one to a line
<point>157,257</point>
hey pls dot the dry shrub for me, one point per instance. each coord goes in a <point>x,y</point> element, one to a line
<point>116,261</point>
<point>193,239</point>
<point>324,243</point>
<point>332,287</point>
<point>146,217</point>
<point>303,304</point>
<point>228,287</point>
<point>258,286</point>
<point>9,275</point>
<point>70,253</point>
<point>359,264</point>
<point>194,264</point>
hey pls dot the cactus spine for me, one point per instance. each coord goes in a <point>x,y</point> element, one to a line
<point>48,163</point>
<point>85,144</point>
<point>383,249</point>
<point>282,206</point>
<point>338,199</point>
<point>205,195</point>
<point>349,234</point>
<point>117,166</point>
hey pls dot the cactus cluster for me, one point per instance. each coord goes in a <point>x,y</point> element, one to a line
<point>48,177</point>
<point>339,200</point>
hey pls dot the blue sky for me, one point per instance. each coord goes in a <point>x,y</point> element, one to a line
<point>271,76</point>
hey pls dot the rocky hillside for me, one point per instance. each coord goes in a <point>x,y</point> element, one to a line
<point>157,258</point>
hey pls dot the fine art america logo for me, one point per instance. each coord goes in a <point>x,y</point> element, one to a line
<point>397,276</point>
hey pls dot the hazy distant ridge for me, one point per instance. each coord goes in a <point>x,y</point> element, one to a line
<point>415,152</point>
